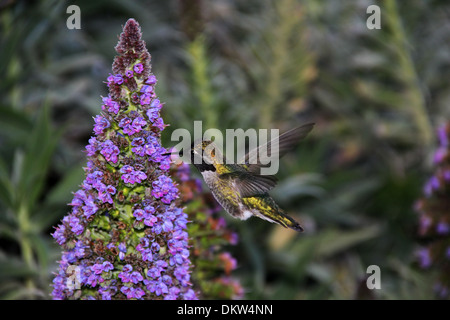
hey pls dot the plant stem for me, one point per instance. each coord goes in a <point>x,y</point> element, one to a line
<point>25,244</point>
<point>414,97</point>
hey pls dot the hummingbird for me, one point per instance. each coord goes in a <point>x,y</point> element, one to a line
<point>240,188</point>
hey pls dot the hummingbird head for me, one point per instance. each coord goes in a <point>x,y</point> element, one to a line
<point>203,155</point>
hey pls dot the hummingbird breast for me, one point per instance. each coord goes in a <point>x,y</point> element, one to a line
<point>225,193</point>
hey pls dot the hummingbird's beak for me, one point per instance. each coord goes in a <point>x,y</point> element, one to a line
<point>177,160</point>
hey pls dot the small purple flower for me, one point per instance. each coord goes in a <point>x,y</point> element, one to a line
<point>93,180</point>
<point>101,124</point>
<point>152,146</point>
<point>190,295</point>
<point>127,268</point>
<point>145,99</point>
<point>147,255</point>
<point>110,105</point>
<point>147,89</point>
<point>94,279</point>
<point>150,220</point>
<point>167,226</point>
<point>132,176</point>
<point>164,189</point>
<point>138,124</point>
<point>161,288</point>
<point>107,266</point>
<point>127,169</point>
<point>97,268</point>
<point>90,207</point>
<point>131,127</point>
<point>138,68</point>
<point>149,210</point>
<point>118,79</point>
<point>424,257</point>
<point>58,235</point>
<point>152,114</point>
<point>167,279</point>
<point>439,155</point>
<point>155,247</point>
<point>173,293</point>
<point>107,292</point>
<point>79,249</point>
<point>110,151</point>
<point>122,250</point>
<point>154,273</point>
<point>156,104</point>
<point>139,293</point>
<point>92,147</point>
<point>159,123</point>
<point>129,73</point>
<point>132,293</point>
<point>126,125</point>
<point>75,225</point>
<point>165,164</point>
<point>125,275</point>
<point>443,136</point>
<point>138,214</point>
<point>110,189</point>
<point>446,175</point>
<point>182,274</point>
<point>139,141</point>
<point>137,144</point>
<point>431,186</point>
<point>105,193</point>
<point>443,228</point>
<point>136,277</point>
<point>151,80</point>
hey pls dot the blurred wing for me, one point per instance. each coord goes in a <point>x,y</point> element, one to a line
<point>250,185</point>
<point>255,159</point>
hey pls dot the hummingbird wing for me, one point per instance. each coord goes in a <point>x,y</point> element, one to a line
<point>257,158</point>
<point>250,185</point>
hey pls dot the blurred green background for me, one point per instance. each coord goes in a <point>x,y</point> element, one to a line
<point>376,96</point>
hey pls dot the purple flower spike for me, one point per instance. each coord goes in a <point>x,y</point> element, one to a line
<point>124,228</point>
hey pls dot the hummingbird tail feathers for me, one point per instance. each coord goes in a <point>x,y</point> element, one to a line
<point>282,219</point>
<point>288,222</point>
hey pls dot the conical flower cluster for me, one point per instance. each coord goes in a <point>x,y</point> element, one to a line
<point>124,237</point>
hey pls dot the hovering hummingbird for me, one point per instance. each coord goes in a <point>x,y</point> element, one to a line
<point>240,188</point>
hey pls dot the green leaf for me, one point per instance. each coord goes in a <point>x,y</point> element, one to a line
<point>37,155</point>
<point>55,202</point>
<point>14,120</point>
<point>41,248</point>
<point>62,192</point>
<point>11,267</point>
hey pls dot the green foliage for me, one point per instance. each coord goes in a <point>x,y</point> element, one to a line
<point>29,207</point>
<point>375,95</point>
